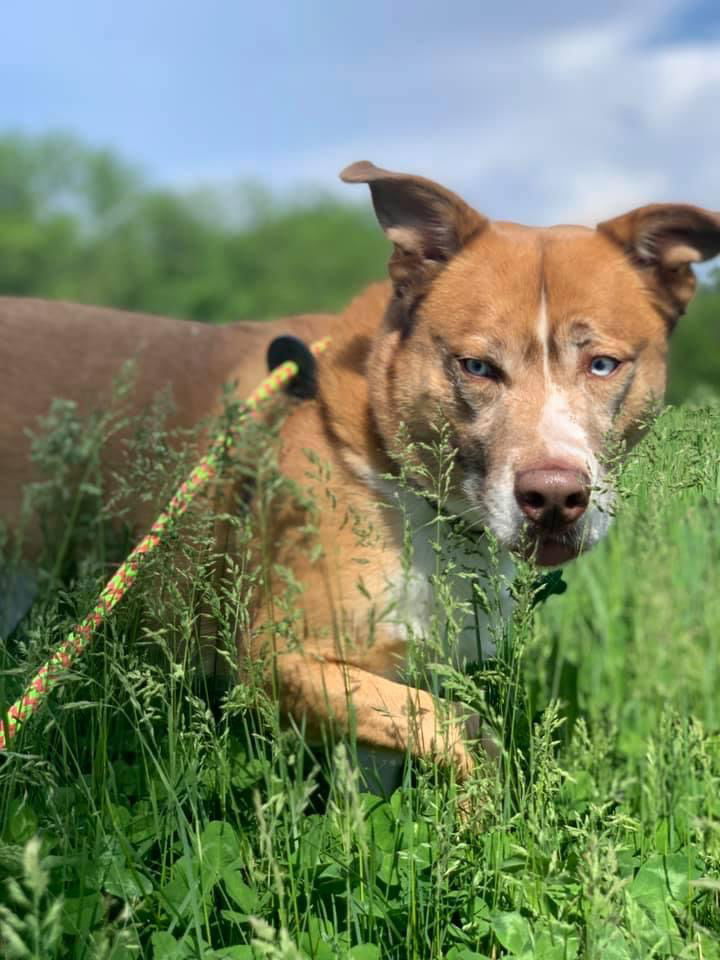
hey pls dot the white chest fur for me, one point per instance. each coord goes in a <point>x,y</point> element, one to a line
<point>431,600</point>
<point>438,594</point>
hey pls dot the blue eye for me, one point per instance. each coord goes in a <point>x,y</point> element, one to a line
<point>603,366</point>
<point>479,368</point>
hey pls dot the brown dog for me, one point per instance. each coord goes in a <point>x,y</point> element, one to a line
<point>539,348</point>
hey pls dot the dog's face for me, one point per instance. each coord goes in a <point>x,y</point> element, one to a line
<point>544,350</point>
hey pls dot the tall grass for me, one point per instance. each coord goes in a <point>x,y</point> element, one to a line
<point>143,814</point>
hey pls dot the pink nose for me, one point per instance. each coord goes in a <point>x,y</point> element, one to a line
<point>552,499</point>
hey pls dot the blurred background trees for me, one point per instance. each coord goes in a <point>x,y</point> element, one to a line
<point>79,223</point>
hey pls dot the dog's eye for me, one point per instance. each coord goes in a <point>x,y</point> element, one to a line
<point>479,368</point>
<point>603,366</point>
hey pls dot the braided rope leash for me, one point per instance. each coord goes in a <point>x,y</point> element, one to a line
<point>59,664</point>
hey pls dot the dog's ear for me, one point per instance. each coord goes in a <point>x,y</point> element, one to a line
<point>664,240</point>
<point>426,223</point>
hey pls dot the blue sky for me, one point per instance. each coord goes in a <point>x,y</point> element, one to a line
<point>537,112</point>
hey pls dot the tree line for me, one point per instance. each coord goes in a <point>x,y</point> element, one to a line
<point>80,223</point>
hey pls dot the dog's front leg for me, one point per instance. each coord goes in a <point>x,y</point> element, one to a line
<point>383,714</point>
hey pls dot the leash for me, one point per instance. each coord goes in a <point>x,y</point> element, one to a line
<point>289,359</point>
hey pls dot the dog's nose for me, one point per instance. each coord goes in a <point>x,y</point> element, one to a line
<point>552,498</point>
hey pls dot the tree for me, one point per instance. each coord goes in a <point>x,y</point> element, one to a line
<point>79,223</point>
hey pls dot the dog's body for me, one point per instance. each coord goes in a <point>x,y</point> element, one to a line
<point>77,352</point>
<point>540,349</point>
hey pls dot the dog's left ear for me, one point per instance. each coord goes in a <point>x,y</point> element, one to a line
<point>427,224</point>
<point>665,239</point>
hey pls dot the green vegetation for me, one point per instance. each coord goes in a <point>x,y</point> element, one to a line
<point>695,351</point>
<point>145,815</point>
<point>81,224</point>
<point>176,822</point>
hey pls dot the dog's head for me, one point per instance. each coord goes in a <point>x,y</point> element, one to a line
<point>544,349</point>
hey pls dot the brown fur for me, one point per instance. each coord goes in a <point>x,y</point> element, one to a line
<point>539,306</point>
<point>68,350</point>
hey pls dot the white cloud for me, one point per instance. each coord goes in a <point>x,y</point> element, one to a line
<point>568,125</point>
<point>683,76</point>
<point>535,112</point>
<point>601,192</point>
<point>585,48</point>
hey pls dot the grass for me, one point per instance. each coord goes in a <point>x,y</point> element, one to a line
<point>143,815</point>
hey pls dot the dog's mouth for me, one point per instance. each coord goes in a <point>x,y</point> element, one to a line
<point>551,549</point>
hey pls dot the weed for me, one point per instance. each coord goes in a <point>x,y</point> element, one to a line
<point>145,813</point>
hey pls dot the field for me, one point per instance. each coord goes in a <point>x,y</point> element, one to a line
<point>145,815</point>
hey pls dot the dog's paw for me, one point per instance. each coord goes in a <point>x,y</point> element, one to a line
<point>476,733</point>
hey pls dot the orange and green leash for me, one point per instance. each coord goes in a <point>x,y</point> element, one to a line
<point>52,672</point>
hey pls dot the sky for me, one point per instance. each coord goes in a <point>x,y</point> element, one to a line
<point>543,113</point>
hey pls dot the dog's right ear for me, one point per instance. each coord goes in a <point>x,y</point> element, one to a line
<point>426,223</point>
<point>664,240</point>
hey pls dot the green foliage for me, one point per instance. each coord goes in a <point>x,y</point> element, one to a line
<point>30,926</point>
<point>79,224</point>
<point>695,349</point>
<point>144,814</point>
<point>176,824</point>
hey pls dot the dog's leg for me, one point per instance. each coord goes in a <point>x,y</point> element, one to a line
<point>382,714</point>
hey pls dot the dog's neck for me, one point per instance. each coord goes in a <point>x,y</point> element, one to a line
<point>343,388</point>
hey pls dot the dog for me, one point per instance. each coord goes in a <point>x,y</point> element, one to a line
<point>540,349</point>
